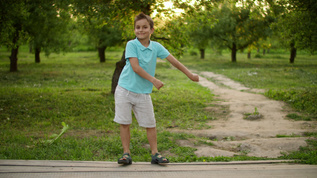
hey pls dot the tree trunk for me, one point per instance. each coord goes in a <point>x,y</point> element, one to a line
<point>293,53</point>
<point>15,51</point>
<point>249,54</point>
<point>234,53</point>
<point>202,53</point>
<point>115,77</point>
<point>37,55</point>
<point>264,52</point>
<point>14,59</point>
<point>102,55</point>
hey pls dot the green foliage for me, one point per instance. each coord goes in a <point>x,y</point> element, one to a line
<point>301,99</point>
<point>57,26</point>
<point>297,117</point>
<point>238,27</point>
<point>173,36</point>
<point>99,23</point>
<point>199,23</point>
<point>14,14</point>
<point>296,22</point>
<point>49,26</point>
<point>257,56</point>
<point>193,53</point>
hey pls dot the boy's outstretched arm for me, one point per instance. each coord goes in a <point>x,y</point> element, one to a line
<point>181,67</point>
<point>140,71</point>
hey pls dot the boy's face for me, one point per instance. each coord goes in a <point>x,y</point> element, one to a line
<point>143,30</point>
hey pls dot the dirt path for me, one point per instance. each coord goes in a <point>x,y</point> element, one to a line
<point>237,135</point>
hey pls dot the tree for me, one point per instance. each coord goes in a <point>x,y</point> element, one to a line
<point>199,23</point>
<point>101,22</point>
<point>239,26</point>
<point>172,35</point>
<point>296,24</point>
<point>13,17</point>
<point>194,23</point>
<point>306,36</point>
<point>48,26</point>
<point>42,23</point>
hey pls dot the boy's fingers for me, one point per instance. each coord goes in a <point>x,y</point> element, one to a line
<point>160,86</point>
<point>195,78</point>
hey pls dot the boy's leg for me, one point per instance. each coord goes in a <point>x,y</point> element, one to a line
<point>151,136</point>
<point>125,137</point>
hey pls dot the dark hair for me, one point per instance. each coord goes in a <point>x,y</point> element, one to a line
<point>143,16</point>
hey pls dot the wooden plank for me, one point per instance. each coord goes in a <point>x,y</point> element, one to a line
<point>100,169</point>
<point>107,163</point>
<point>55,163</point>
<point>63,166</point>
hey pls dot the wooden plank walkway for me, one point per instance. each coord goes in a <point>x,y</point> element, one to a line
<point>96,169</point>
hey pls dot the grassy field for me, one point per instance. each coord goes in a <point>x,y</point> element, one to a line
<point>75,89</point>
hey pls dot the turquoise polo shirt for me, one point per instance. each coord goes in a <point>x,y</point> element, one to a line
<point>147,60</point>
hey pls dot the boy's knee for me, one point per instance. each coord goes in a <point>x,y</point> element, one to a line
<point>125,126</point>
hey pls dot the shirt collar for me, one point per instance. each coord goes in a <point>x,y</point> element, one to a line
<point>143,47</point>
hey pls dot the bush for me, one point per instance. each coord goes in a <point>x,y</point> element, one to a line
<point>300,99</point>
<point>193,53</point>
<point>257,56</point>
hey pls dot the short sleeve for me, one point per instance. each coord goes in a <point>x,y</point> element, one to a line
<point>162,51</point>
<point>130,50</point>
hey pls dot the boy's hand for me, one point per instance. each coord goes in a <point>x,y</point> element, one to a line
<point>194,77</point>
<point>158,84</point>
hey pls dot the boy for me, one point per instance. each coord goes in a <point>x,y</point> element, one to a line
<point>136,83</point>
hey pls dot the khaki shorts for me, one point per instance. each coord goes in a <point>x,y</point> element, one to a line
<point>141,104</point>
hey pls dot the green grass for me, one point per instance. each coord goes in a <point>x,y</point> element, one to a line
<point>306,155</point>
<point>283,136</point>
<point>75,88</point>
<point>297,117</point>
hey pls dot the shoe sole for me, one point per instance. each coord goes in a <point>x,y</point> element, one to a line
<point>157,162</point>
<point>127,162</point>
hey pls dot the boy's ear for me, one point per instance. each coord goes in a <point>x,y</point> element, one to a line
<point>152,30</point>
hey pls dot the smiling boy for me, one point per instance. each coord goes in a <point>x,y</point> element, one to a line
<point>136,83</point>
